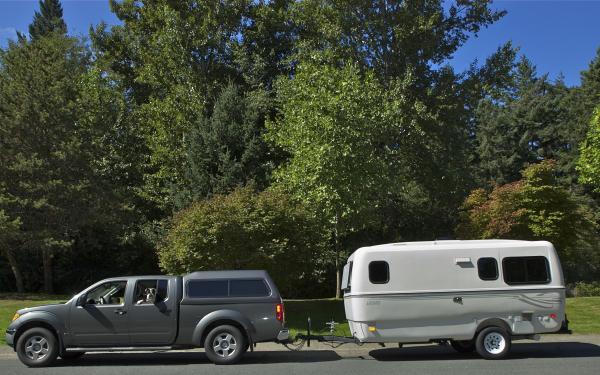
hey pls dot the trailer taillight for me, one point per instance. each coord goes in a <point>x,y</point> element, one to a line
<point>279,312</point>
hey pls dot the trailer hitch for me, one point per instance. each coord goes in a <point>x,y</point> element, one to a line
<point>331,338</point>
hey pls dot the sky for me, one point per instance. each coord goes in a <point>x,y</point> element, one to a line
<point>559,36</point>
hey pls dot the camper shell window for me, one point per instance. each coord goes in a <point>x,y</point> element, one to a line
<point>487,268</point>
<point>227,288</point>
<point>526,270</point>
<point>379,272</point>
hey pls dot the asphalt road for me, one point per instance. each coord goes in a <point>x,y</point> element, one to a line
<point>567,357</point>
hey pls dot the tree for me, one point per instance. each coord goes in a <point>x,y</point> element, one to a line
<point>226,150</point>
<point>528,121</point>
<point>339,160</point>
<point>246,230</point>
<point>48,20</point>
<point>9,230</point>
<point>589,162</point>
<point>536,208</point>
<point>45,163</point>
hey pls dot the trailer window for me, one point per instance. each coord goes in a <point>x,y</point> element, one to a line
<point>207,288</point>
<point>346,275</point>
<point>487,268</point>
<point>379,272</point>
<point>526,270</point>
<point>248,288</point>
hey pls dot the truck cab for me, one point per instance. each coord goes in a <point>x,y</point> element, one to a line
<point>225,312</point>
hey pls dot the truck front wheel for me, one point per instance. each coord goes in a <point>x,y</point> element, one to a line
<point>37,347</point>
<point>225,345</point>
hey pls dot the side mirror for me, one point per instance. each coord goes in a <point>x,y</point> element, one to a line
<point>80,301</point>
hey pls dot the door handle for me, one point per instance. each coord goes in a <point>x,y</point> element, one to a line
<point>120,312</point>
<point>458,300</point>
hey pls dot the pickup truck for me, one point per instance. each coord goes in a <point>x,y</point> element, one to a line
<point>225,312</point>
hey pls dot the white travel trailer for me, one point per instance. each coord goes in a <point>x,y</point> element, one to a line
<point>477,295</point>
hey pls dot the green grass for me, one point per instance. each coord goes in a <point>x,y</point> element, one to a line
<point>583,313</point>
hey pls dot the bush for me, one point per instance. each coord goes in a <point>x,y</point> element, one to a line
<point>587,289</point>
<point>245,230</point>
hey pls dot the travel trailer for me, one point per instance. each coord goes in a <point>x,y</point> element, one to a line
<point>476,295</point>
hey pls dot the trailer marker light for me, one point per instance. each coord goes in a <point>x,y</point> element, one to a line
<point>372,329</point>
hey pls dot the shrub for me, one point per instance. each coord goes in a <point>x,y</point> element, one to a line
<point>587,289</point>
<point>245,230</point>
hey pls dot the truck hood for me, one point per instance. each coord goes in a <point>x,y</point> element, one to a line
<point>53,307</point>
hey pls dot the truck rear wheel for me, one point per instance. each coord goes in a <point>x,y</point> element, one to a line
<point>37,347</point>
<point>493,343</point>
<point>225,345</point>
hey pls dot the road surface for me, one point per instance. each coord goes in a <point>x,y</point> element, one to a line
<point>570,355</point>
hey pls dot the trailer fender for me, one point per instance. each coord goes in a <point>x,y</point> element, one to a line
<point>220,317</point>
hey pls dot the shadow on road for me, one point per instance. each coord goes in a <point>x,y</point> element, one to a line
<point>191,358</point>
<point>518,351</point>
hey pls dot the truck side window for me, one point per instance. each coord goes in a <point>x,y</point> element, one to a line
<point>110,293</point>
<point>379,272</point>
<point>248,288</point>
<point>526,270</point>
<point>151,291</point>
<point>207,288</point>
<point>487,268</point>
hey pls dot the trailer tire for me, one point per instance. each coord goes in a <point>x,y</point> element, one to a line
<point>493,343</point>
<point>466,346</point>
<point>225,345</point>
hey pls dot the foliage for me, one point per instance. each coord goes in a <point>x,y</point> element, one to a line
<point>589,163</point>
<point>245,230</point>
<point>535,208</point>
<point>587,289</point>
<point>226,150</point>
<point>48,20</point>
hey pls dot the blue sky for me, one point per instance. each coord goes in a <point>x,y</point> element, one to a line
<point>559,36</point>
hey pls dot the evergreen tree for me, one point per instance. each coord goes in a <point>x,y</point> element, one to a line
<point>48,20</point>
<point>225,150</point>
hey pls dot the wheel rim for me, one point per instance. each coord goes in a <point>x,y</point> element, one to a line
<point>494,343</point>
<point>37,348</point>
<point>224,345</point>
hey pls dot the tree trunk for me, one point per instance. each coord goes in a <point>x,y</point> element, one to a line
<point>48,276</point>
<point>336,238</point>
<point>14,266</point>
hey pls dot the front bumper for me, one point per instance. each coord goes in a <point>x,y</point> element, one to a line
<point>10,337</point>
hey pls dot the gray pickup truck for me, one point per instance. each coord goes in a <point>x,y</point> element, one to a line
<point>225,312</point>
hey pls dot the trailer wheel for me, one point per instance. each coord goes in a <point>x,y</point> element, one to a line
<point>225,345</point>
<point>37,347</point>
<point>466,346</point>
<point>493,343</point>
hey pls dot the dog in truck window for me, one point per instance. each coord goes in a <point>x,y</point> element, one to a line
<point>149,296</point>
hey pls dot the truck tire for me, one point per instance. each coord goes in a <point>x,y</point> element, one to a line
<point>225,345</point>
<point>466,346</point>
<point>37,347</point>
<point>493,343</point>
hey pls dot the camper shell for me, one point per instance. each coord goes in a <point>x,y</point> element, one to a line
<point>451,290</point>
